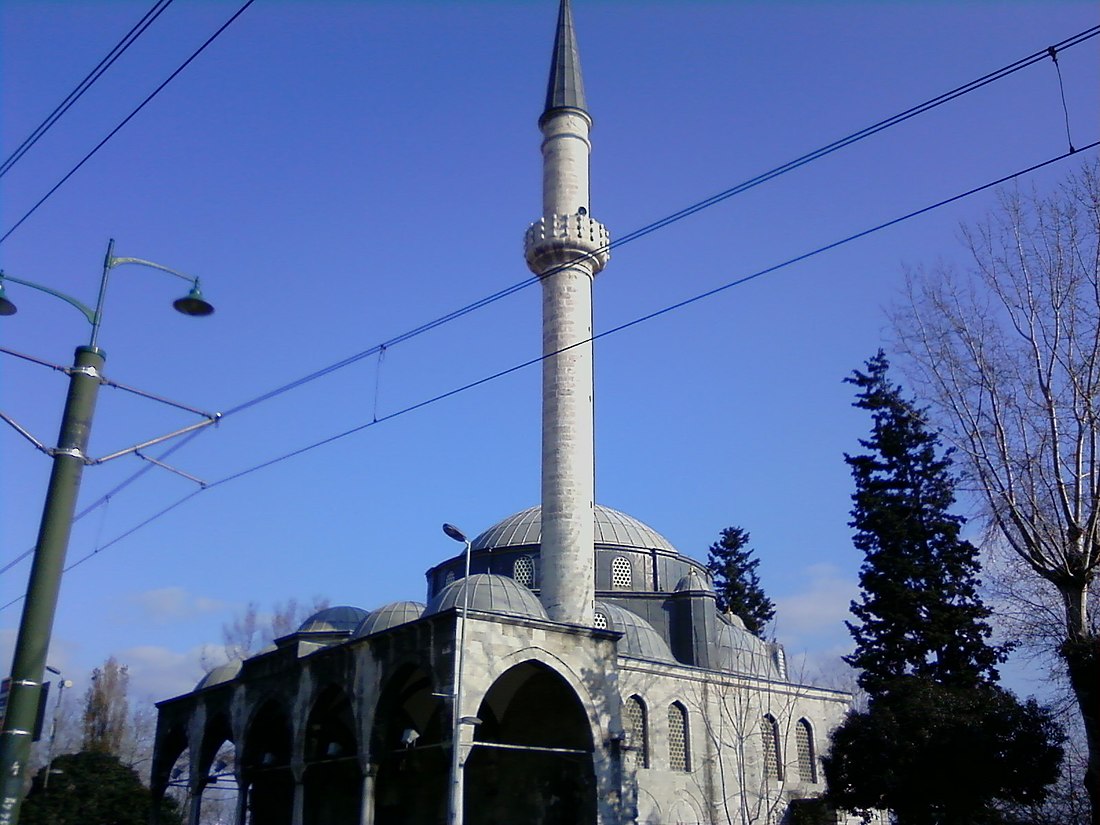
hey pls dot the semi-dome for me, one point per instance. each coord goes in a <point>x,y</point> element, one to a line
<point>640,639</point>
<point>489,593</point>
<point>740,651</point>
<point>611,528</point>
<point>342,619</point>
<point>390,615</point>
<point>220,675</point>
<point>695,580</point>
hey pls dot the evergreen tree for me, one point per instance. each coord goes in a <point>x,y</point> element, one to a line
<point>731,563</point>
<point>89,788</point>
<point>940,743</point>
<point>919,612</point>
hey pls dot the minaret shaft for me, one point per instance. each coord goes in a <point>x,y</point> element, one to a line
<point>566,248</point>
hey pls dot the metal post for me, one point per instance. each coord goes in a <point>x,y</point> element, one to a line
<point>62,683</point>
<point>455,813</point>
<point>33,641</point>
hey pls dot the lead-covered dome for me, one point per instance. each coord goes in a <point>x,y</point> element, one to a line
<point>342,619</point>
<point>390,615</point>
<point>491,594</point>
<point>740,651</point>
<point>640,639</point>
<point>220,675</point>
<point>611,528</point>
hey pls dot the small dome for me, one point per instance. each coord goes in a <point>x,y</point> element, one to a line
<point>390,615</point>
<point>742,652</point>
<point>220,675</point>
<point>342,619</point>
<point>640,639</point>
<point>611,528</point>
<point>490,593</point>
<point>695,579</point>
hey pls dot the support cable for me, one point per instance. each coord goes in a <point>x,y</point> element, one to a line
<point>710,293</point>
<point>1053,52</point>
<point>126,120</point>
<point>114,54</point>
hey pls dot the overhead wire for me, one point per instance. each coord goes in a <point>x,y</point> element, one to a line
<point>687,211</point>
<point>127,119</point>
<point>380,349</point>
<point>89,80</point>
<point>710,293</point>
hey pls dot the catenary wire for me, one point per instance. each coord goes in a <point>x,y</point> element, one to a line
<point>114,54</point>
<point>127,119</point>
<point>803,160</point>
<point>706,203</point>
<point>606,333</point>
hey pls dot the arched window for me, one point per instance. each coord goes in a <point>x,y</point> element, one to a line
<point>769,734</point>
<point>599,620</point>
<point>637,728</point>
<point>621,578</point>
<point>523,571</point>
<point>807,763</point>
<point>449,579</point>
<point>679,757</point>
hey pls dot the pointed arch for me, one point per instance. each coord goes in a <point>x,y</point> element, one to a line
<point>679,742</point>
<point>807,755</point>
<point>769,736</point>
<point>333,781</point>
<point>636,717</point>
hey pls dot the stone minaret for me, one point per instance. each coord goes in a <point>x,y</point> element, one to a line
<point>566,248</point>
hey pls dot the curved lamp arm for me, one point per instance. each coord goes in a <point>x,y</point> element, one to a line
<point>88,312</point>
<point>113,262</point>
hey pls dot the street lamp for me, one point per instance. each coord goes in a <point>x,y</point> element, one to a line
<point>69,458</point>
<point>455,804</point>
<point>61,685</point>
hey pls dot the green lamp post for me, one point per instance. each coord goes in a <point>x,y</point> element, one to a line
<point>69,458</point>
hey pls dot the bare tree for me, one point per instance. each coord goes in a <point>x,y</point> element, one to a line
<point>107,708</point>
<point>250,630</point>
<point>1008,355</point>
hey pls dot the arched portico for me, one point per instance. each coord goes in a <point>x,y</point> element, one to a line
<point>409,747</point>
<point>266,771</point>
<point>333,780</point>
<point>531,761</point>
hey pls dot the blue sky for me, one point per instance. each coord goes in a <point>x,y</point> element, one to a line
<point>339,173</point>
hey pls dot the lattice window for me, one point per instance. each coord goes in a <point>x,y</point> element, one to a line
<point>599,620</point>
<point>769,734</point>
<point>523,571</point>
<point>807,764</point>
<point>679,758</point>
<point>449,578</point>
<point>621,578</point>
<point>638,727</point>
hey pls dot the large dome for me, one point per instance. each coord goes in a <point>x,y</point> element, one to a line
<point>611,528</point>
<point>489,593</point>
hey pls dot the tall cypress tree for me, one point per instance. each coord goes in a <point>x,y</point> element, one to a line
<point>731,563</point>
<point>940,742</point>
<point>919,613</point>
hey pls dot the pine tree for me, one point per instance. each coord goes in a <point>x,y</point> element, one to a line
<point>737,586</point>
<point>940,743</point>
<point>919,613</point>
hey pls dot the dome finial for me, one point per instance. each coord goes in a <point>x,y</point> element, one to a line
<point>566,87</point>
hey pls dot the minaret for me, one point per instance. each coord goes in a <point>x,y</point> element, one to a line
<point>566,248</point>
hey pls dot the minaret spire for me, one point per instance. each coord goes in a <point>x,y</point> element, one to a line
<point>566,248</point>
<point>565,89</point>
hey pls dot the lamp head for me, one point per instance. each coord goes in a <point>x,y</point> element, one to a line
<point>6,306</point>
<point>193,303</point>
<point>454,533</point>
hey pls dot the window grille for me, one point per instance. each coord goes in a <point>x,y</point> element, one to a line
<point>599,621</point>
<point>769,733</point>
<point>523,571</point>
<point>621,578</point>
<point>638,729</point>
<point>449,579</point>
<point>678,756</point>
<point>807,764</point>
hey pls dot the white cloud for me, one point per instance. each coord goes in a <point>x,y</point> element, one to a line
<point>159,672</point>
<point>813,619</point>
<point>172,604</point>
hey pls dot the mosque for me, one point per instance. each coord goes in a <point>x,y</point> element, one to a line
<point>569,667</point>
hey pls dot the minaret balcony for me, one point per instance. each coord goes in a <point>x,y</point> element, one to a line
<point>561,240</point>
